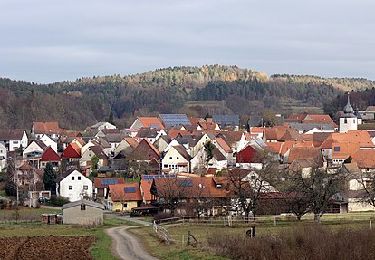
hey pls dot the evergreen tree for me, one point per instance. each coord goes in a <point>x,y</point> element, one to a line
<point>209,148</point>
<point>10,185</point>
<point>49,178</point>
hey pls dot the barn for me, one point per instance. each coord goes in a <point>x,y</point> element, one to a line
<point>83,212</point>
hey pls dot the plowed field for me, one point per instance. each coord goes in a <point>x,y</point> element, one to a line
<point>46,247</point>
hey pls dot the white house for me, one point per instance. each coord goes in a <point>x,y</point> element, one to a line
<point>34,149</point>
<point>74,186</point>
<point>3,157</point>
<point>13,139</point>
<point>102,125</point>
<point>176,160</point>
<point>49,142</point>
<point>218,161</point>
<point>126,144</point>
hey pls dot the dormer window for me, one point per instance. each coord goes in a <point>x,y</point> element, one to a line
<point>336,148</point>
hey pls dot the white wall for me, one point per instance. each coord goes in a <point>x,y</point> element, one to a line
<point>33,147</point>
<point>49,142</point>
<point>74,185</point>
<point>172,158</point>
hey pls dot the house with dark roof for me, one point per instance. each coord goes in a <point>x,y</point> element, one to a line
<point>200,161</point>
<point>145,151</point>
<point>13,139</point>
<point>172,120</point>
<point>94,151</point>
<point>227,121</point>
<point>176,159</point>
<point>127,145</point>
<point>34,152</point>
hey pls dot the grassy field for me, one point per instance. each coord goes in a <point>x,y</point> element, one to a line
<point>179,232</point>
<point>27,214</point>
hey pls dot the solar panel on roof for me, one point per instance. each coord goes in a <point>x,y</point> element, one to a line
<point>186,183</point>
<point>170,120</point>
<point>151,177</point>
<point>226,119</point>
<point>130,189</point>
<point>106,182</point>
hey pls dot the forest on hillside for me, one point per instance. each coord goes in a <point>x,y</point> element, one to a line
<point>192,90</point>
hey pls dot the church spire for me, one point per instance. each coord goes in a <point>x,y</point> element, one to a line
<point>348,109</point>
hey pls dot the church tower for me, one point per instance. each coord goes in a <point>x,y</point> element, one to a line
<point>348,121</point>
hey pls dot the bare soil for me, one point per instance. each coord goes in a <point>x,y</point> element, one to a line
<point>47,247</point>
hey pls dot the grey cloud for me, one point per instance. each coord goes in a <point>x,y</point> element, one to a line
<point>47,41</point>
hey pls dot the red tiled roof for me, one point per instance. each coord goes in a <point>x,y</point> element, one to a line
<point>274,147</point>
<point>72,151</point>
<point>151,122</point>
<point>49,155</point>
<point>146,187</point>
<point>11,134</point>
<point>304,153</point>
<point>223,144</point>
<point>131,141</point>
<point>365,158</point>
<point>296,117</point>
<point>311,118</point>
<point>145,151</point>
<point>102,182</point>
<point>198,187</point>
<point>121,192</point>
<point>46,127</point>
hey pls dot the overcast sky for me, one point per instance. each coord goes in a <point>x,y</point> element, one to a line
<point>49,40</point>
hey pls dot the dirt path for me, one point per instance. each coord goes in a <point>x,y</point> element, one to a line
<point>126,246</point>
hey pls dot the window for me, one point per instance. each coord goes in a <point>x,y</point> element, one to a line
<point>73,178</point>
<point>83,207</point>
<point>170,158</point>
<point>15,142</point>
<point>79,178</point>
<point>70,187</point>
<point>177,158</point>
<point>345,121</point>
<point>125,205</point>
<point>85,187</point>
<point>354,120</point>
<point>165,165</point>
<point>336,148</point>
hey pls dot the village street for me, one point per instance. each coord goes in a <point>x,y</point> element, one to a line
<point>125,245</point>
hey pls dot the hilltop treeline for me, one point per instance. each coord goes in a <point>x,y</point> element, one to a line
<point>87,100</point>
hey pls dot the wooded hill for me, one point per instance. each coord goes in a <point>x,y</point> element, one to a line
<point>192,90</point>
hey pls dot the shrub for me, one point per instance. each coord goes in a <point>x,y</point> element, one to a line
<point>302,242</point>
<point>162,215</point>
<point>58,201</point>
